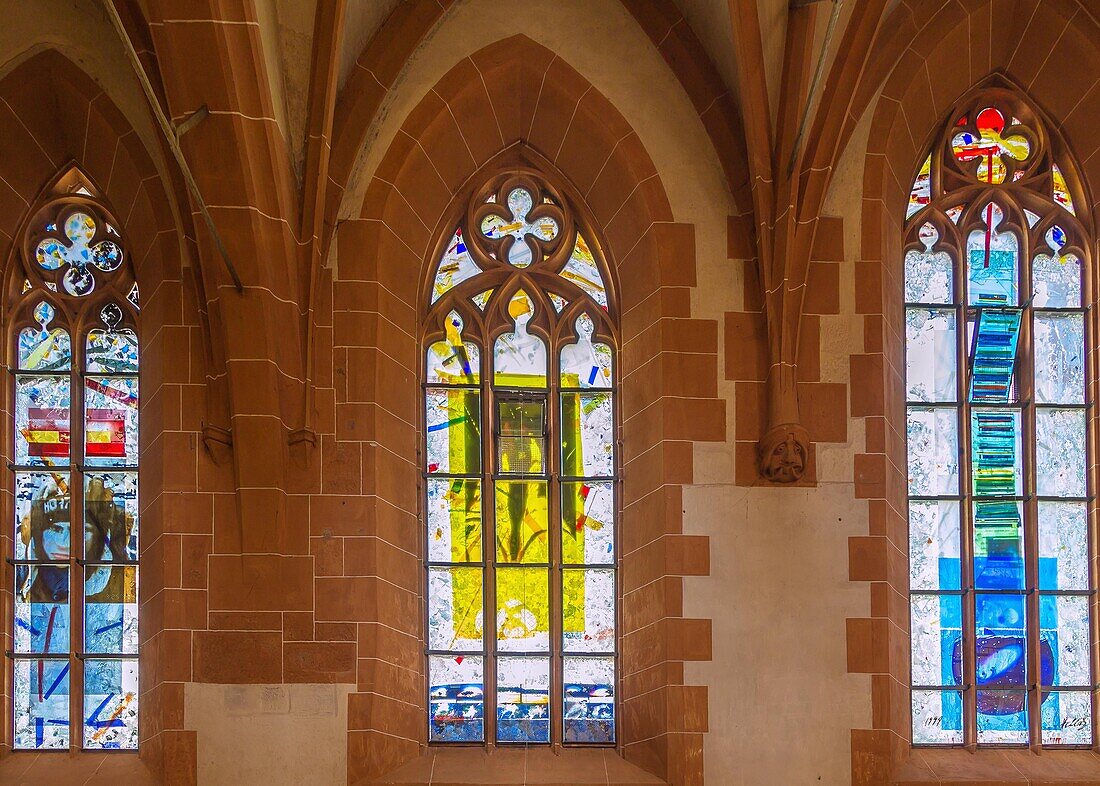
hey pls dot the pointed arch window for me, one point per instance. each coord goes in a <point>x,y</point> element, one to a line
<point>997,284</point>
<point>520,477</point>
<point>74,473</point>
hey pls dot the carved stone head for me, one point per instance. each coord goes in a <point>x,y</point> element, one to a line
<point>783,452</point>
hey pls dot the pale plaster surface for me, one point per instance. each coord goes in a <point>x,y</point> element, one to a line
<point>269,734</point>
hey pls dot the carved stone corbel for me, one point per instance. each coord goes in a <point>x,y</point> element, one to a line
<point>218,443</point>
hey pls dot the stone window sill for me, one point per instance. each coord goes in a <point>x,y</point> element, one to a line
<point>534,766</point>
<point>84,767</point>
<point>1009,767</point>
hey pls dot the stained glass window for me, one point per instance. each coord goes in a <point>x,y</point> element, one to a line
<point>519,476</point>
<point>75,467</point>
<point>997,439</point>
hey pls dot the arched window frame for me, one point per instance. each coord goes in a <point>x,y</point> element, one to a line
<point>483,323</point>
<point>1053,683</point>
<point>94,667</point>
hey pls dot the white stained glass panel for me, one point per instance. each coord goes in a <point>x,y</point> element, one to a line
<point>933,436</point>
<point>1063,546</point>
<point>1060,452</point>
<point>930,360</point>
<point>1059,341</point>
<point>934,543</point>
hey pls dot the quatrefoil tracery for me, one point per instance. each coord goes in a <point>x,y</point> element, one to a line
<point>994,150</point>
<point>82,243</point>
<point>518,224</point>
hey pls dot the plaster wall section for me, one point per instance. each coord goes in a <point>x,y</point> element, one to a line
<point>271,734</point>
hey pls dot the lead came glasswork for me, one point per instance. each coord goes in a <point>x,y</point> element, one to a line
<point>1007,413</point>
<point>76,569</point>
<point>520,526</point>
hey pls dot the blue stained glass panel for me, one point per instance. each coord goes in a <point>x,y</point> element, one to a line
<point>992,261</point>
<point>110,609</point>
<point>523,699</point>
<point>1002,717</point>
<point>995,452</point>
<point>998,544</point>
<point>456,698</point>
<point>936,635</point>
<point>1067,718</point>
<point>589,708</point>
<point>993,355</point>
<point>1000,641</point>
<point>42,608</point>
<point>111,704</point>
<point>41,704</point>
<point>1064,638</point>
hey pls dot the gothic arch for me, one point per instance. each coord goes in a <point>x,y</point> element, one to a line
<point>931,74</point>
<point>82,130</point>
<point>417,191</point>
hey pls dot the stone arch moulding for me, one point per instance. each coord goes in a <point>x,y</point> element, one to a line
<point>668,388</point>
<point>879,645</point>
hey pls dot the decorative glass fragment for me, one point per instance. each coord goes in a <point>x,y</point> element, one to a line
<point>523,609</point>
<point>523,699</point>
<point>110,609</point>
<point>936,631</point>
<point>581,270</point>
<point>134,297</point>
<point>111,421</point>
<point>1059,346</point>
<point>928,275</point>
<point>1060,452</point>
<point>558,301</point>
<point>523,521</point>
<point>110,516</point>
<point>1064,631</point>
<point>456,698</point>
<point>453,431</point>
<point>587,522</point>
<point>41,421</point>
<point>520,251</point>
<point>1063,546</point>
<point>930,361</point>
<point>933,439</point>
<point>992,261</point>
<point>482,298</point>
<point>996,453</point>
<point>937,717</point>
<point>454,520</point>
<point>920,194</point>
<point>44,349</point>
<point>589,708</point>
<point>1060,191</point>
<point>41,704</point>
<point>585,364</point>
<point>989,147</point>
<point>111,704</point>
<point>993,355</point>
<point>455,611</point>
<point>934,545</point>
<point>112,352</point>
<point>1067,718</point>
<point>587,434</point>
<point>519,358</point>
<point>42,608</point>
<point>453,361</point>
<point>588,610</point>
<point>455,267</point>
